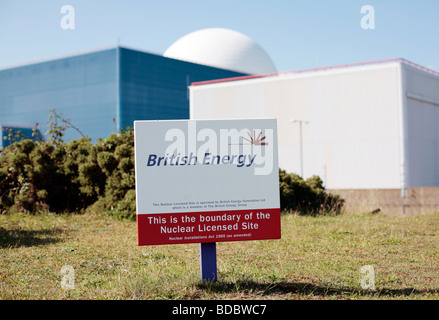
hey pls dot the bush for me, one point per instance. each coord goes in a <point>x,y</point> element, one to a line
<point>80,176</point>
<point>307,197</point>
<point>116,160</point>
<point>33,178</point>
<point>69,177</point>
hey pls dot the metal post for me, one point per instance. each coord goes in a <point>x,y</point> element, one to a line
<point>208,262</point>
<point>301,122</point>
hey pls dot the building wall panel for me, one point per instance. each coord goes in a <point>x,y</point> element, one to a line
<point>421,98</point>
<point>353,136</point>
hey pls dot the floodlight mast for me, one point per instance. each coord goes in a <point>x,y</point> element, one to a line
<point>300,122</point>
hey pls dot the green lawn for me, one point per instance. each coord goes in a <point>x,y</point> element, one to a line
<point>317,258</point>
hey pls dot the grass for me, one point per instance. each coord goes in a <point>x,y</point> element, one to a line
<point>317,258</point>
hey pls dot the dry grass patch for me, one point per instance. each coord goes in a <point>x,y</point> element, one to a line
<point>317,258</point>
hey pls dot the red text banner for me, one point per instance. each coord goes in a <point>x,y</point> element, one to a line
<point>212,226</point>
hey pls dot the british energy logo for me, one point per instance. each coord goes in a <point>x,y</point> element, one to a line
<point>256,141</point>
<point>242,148</point>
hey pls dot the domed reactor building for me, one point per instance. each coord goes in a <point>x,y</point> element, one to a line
<point>222,48</point>
<point>104,91</point>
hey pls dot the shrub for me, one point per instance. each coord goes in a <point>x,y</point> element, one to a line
<point>307,197</point>
<point>116,160</point>
<point>69,177</point>
<point>32,178</point>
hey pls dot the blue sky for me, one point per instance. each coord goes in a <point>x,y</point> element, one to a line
<point>296,34</point>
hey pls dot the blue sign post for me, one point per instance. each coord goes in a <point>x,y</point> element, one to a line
<point>208,262</point>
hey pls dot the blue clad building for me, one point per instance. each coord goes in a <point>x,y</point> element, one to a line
<point>101,92</point>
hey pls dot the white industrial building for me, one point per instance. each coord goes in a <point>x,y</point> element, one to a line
<point>369,128</point>
<point>365,126</point>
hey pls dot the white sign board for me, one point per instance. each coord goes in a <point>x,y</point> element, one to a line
<point>206,181</point>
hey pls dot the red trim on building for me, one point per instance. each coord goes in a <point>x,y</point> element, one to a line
<point>347,65</point>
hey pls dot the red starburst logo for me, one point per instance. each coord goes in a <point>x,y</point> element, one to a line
<point>257,141</point>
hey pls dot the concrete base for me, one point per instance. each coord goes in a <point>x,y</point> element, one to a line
<point>390,201</point>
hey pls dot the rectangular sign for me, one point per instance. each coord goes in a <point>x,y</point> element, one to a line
<point>206,181</point>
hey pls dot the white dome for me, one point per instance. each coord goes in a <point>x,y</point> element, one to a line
<point>222,48</point>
